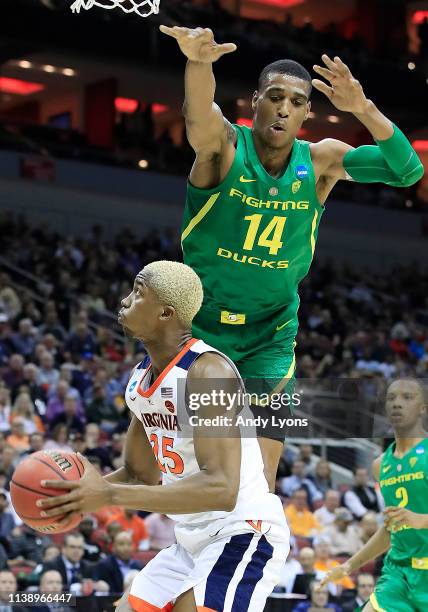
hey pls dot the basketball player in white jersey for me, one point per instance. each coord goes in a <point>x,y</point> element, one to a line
<point>232,537</point>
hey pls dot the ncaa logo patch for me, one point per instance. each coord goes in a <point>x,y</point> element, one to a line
<point>132,387</point>
<point>420,450</point>
<point>302,172</point>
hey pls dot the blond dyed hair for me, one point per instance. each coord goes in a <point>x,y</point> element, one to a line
<point>176,285</point>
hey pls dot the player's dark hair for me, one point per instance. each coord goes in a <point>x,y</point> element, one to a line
<point>285,66</point>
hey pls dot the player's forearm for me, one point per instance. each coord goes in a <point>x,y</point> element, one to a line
<point>379,126</point>
<point>199,87</point>
<point>376,546</point>
<point>392,161</point>
<point>197,493</point>
<point>118,476</point>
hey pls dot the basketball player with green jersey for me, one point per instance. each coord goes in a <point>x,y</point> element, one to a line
<point>402,472</point>
<point>254,201</point>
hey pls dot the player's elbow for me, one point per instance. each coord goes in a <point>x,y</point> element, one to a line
<point>224,493</point>
<point>412,177</point>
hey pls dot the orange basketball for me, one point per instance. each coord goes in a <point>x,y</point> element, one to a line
<point>26,490</point>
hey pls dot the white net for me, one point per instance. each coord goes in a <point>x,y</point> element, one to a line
<point>143,8</point>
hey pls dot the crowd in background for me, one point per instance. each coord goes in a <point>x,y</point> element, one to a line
<point>64,366</point>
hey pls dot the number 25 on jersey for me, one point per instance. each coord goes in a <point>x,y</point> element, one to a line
<point>168,460</point>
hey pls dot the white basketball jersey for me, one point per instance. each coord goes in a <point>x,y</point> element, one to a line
<point>155,405</point>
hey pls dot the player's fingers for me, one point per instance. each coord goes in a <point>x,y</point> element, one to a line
<point>323,87</point>
<point>60,484</point>
<point>168,31</point>
<point>65,509</point>
<point>329,63</point>
<point>176,32</point>
<point>52,502</point>
<point>342,67</point>
<point>225,48</point>
<point>325,72</point>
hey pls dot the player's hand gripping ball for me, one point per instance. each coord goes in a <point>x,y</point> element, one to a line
<point>26,488</point>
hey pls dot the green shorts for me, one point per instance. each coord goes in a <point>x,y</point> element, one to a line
<point>262,350</point>
<point>401,589</point>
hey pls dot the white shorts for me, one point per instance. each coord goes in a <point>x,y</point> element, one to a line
<point>233,568</point>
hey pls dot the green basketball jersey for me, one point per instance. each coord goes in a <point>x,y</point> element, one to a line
<point>251,239</point>
<point>404,482</point>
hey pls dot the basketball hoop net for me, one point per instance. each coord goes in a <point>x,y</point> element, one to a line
<point>128,6</point>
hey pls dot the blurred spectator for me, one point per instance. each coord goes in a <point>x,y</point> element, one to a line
<point>59,439</point>
<point>361,498</point>
<point>134,525</point>
<point>70,563</point>
<point>69,417</point>
<point>8,585</point>
<point>300,519</point>
<point>368,526</point>
<point>115,568</point>
<point>79,444</point>
<point>37,441</point>
<point>48,375</point>
<point>57,400</point>
<point>318,600</point>
<point>160,531</point>
<point>298,480</point>
<point>286,462</point>
<point>87,529</point>
<point>8,461</point>
<point>17,438</point>
<point>324,562</point>
<point>100,410</point>
<point>5,409</point>
<point>81,342</point>
<point>365,587</point>
<point>7,522</point>
<point>13,376</point>
<point>322,476</point>
<point>49,553</point>
<point>9,300</point>
<point>306,455</point>
<point>51,582</point>
<point>23,408</point>
<point>24,341</point>
<point>325,515</point>
<point>344,537</point>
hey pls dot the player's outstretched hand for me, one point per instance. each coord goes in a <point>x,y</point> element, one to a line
<point>198,44</point>
<point>337,573</point>
<point>343,90</point>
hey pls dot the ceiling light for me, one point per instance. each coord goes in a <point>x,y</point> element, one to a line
<point>17,86</point>
<point>143,164</point>
<point>24,64</point>
<point>126,105</point>
<point>48,68</point>
<point>333,119</point>
<point>68,72</point>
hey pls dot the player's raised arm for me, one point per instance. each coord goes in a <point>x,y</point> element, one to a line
<point>392,160</point>
<point>209,134</point>
<point>376,546</point>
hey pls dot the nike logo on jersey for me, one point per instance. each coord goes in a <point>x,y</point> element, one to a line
<point>278,327</point>
<point>386,468</point>
<point>245,180</point>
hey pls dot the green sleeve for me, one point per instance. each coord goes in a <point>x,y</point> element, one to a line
<point>393,161</point>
